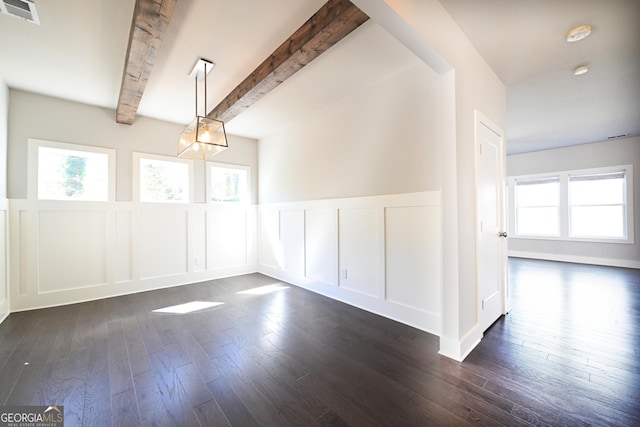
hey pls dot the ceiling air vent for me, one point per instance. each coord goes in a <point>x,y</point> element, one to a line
<point>23,9</point>
<point>618,136</point>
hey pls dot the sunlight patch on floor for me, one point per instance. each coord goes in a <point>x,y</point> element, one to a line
<point>262,290</point>
<point>188,307</point>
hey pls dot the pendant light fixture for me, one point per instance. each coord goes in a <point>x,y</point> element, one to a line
<point>204,137</point>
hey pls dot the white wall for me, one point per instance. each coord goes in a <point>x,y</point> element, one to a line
<point>4,260</point>
<point>41,117</point>
<point>380,141</point>
<point>65,252</point>
<point>600,154</point>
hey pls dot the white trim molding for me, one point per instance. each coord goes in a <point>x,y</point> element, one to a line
<point>459,349</point>
<point>609,262</point>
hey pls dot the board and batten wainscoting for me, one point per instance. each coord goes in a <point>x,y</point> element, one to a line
<point>378,253</point>
<point>64,252</point>
<point>4,272</point>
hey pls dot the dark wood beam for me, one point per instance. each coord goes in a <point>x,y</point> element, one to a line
<point>150,20</point>
<point>335,20</point>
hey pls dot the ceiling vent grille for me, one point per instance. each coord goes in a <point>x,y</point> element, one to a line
<point>23,9</point>
<point>618,136</point>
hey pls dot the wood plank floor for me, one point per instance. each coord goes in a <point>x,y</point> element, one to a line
<point>567,354</point>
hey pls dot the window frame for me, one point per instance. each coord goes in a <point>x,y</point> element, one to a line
<point>34,161</point>
<point>565,207</point>
<point>557,205</point>
<point>246,200</point>
<point>136,178</point>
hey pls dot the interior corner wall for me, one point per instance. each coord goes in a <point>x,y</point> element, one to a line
<point>599,154</point>
<point>52,119</point>
<point>350,200</point>
<point>4,260</point>
<point>433,32</point>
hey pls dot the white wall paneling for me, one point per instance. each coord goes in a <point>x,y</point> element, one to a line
<point>4,276</point>
<point>231,227</point>
<point>163,240</point>
<point>67,252</point>
<point>411,258</point>
<point>270,253</point>
<point>380,253</point>
<point>359,250</point>
<point>124,244</point>
<point>198,236</point>
<point>321,245</point>
<point>292,241</point>
<point>66,262</point>
<point>4,243</point>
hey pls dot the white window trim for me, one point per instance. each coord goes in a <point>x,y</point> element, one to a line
<point>32,162</point>
<point>135,178</point>
<point>564,205</point>
<point>553,177</point>
<point>247,169</point>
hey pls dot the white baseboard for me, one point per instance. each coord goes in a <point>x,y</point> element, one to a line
<point>459,349</point>
<point>427,322</point>
<point>92,293</point>
<point>609,262</point>
<point>4,310</point>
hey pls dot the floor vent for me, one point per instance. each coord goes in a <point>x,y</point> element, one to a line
<point>23,9</point>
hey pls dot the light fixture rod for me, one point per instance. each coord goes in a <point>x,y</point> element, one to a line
<point>205,89</point>
<point>202,68</point>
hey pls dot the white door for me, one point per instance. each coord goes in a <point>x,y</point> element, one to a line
<point>491,253</point>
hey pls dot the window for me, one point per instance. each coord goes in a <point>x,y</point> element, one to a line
<point>597,205</point>
<point>73,172</point>
<point>585,205</point>
<point>227,183</point>
<point>538,206</point>
<point>163,179</point>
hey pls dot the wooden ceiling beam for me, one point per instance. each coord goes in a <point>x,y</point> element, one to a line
<point>150,20</point>
<point>335,20</point>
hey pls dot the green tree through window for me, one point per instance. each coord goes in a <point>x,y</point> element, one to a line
<point>158,186</point>
<point>163,181</point>
<point>75,169</point>
<point>67,172</point>
<point>228,183</point>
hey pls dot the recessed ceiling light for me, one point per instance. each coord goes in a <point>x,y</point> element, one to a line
<point>581,70</point>
<point>578,33</point>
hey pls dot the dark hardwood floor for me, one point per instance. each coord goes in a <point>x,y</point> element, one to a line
<point>567,354</point>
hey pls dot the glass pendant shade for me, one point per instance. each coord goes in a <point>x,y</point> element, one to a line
<point>202,139</point>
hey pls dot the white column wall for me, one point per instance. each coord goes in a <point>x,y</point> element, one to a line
<point>4,225</point>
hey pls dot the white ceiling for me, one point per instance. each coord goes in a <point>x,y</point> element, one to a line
<point>547,106</point>
<point>78,53</point>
